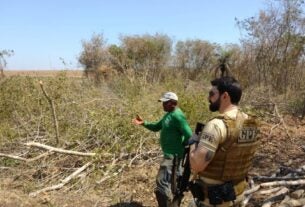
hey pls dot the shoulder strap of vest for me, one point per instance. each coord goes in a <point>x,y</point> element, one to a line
<point>233,127</point>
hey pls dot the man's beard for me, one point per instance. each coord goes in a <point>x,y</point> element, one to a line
<point>215,106</point>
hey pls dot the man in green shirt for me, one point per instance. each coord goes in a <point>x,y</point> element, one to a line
<point>175,131</point>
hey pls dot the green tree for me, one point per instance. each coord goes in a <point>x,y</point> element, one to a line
<point>118,58</point>
<point>194,56</point>
<point>146,54</point>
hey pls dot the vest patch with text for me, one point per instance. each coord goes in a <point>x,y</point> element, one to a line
<point>248,134</point>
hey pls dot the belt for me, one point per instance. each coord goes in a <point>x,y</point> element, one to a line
<point>239,188</point>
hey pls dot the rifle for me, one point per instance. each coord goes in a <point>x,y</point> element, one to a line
<point>181,183</point>
<point>175,169</point>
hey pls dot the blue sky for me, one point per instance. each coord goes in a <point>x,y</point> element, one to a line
<point>41,32</point>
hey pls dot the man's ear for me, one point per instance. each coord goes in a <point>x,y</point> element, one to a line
<point>225,95</point>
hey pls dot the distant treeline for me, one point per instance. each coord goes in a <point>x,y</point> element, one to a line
<point>270,52</point>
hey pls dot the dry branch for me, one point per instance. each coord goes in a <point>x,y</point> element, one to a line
<point>107,176</point>
<point>266,179</point>
<point>252,190</point>
<point>40,156</point>
<point>293,202</point>
<point>281,120</point>
<point>63,182</point>
<point>287,170</point>
<point>246,200</point>
<point>51,102</point>
<point>287,198</point>
<point>297,194</point>
<point>272,128</point>
<point>269,191</point>
<point>143,155</point>
<point>283,182</point>
<point>15,157</point>
<point>278,196</point>
<point>5,168</point>
<point>59,150</point>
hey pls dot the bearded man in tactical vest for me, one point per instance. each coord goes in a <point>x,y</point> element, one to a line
<point>223,154</point>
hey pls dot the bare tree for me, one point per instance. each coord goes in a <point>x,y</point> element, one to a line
<point>276,40</point>
<point>3,55</point>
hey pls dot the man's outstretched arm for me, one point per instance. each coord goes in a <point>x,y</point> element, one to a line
<point>153,126</point>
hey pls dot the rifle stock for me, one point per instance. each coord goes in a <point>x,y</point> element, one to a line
<point>174,178</point>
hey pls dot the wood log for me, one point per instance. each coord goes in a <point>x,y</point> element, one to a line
<point>283,182</point>
<point>246,200</point>
<point>293,202</point>
<point>265,178</point>
<point>278,196</point>
<point>297,194</point>
<point>252,190</point>
<point>286,170</point>
<point>269,191</point>
<point>287,197</point>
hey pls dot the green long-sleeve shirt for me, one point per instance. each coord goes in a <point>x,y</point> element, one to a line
<point>174,131</point>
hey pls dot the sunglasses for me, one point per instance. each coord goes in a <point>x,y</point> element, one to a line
<point>211,93</point>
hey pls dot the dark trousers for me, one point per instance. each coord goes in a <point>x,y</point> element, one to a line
<point>163,184</point>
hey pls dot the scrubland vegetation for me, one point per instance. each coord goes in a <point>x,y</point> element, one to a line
<point>93,113</point>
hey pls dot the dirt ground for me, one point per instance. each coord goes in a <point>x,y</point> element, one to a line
<point>282,145</point>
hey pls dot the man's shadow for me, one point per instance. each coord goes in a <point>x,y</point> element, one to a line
<point>127,204</point>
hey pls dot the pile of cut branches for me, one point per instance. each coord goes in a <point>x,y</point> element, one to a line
<point>286,187</point>
<point>109,165</point>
